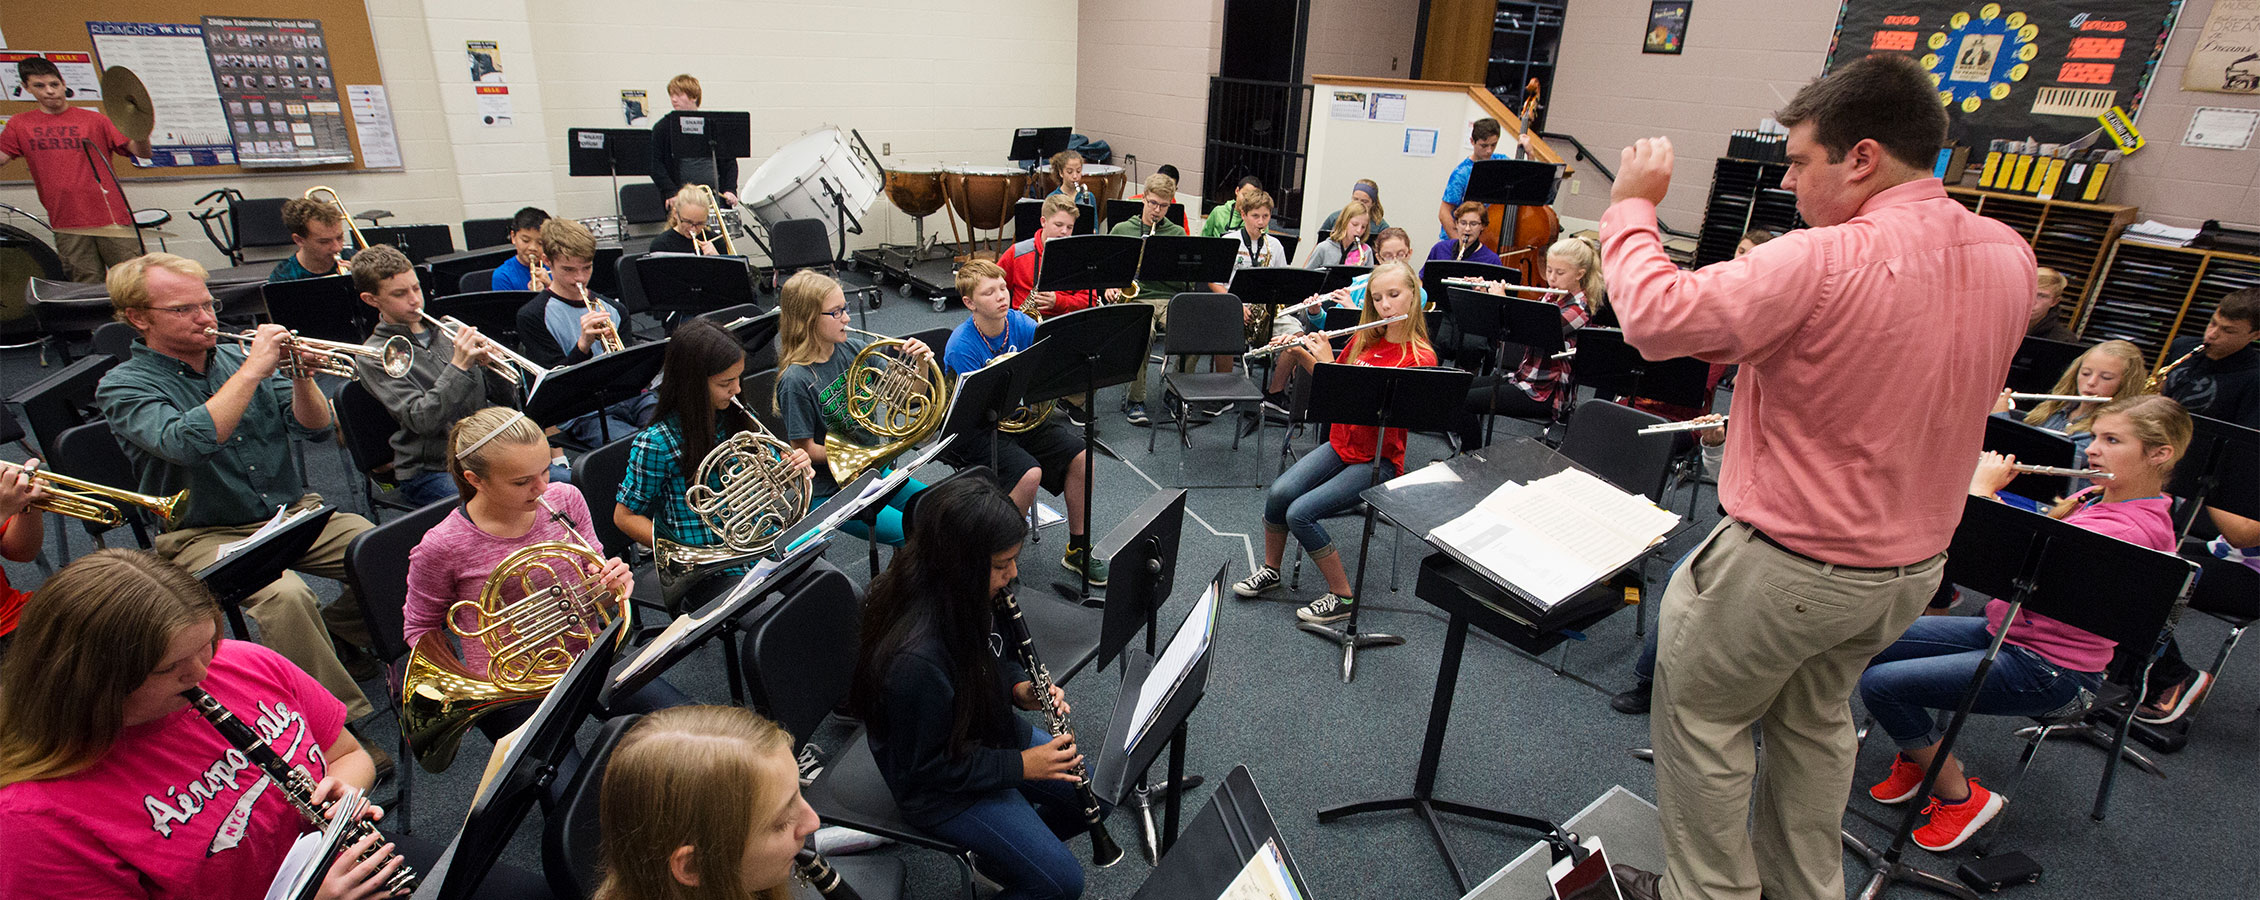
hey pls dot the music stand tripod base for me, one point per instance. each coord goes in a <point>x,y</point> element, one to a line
<point>1887,871</point>
<point>1350,643</point>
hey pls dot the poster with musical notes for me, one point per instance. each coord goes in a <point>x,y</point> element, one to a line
<point>2037,69</point>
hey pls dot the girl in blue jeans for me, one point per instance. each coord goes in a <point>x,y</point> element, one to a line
<point>1327,480</point>
<point>2044,665</point>
<point>936,688</point>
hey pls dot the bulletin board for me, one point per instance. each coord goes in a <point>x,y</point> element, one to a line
<point>2039,69</point>
<point>347,55</point>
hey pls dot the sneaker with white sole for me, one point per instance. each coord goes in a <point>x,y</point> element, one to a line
<point>1952,823</point>
<point>1266,578</point>
<point>1327,608</point>
<point>1136,414</point>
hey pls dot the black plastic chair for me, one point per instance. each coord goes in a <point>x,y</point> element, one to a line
<point>2229,592</point>
<point>572,837</point>
<point>1205,324</point>
<point>66,311</point>
<point>475,282</point>
<point>493,313</point>
<point>803,654</point>
<point>641,204</point>
<point>796,244</point>
<point>376,565</point>
<point>759,393</point>
<point>598,474</point>
<point>367,428</point>
<point>115,339</point>
<point>63,400</point>
<point>90,452</point>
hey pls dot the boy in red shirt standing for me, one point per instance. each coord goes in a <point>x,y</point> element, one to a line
<point>64,146</point>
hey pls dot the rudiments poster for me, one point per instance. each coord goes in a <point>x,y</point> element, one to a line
<point>2040,69</point>
<point>281,95</point>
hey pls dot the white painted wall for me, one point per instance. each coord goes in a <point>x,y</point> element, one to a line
<point>1343,151</point>
<point>1141,81</point>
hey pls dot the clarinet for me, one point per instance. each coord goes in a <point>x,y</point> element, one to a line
<point>295,785</point>
<point>820,875</point>
<point>1104,851</point>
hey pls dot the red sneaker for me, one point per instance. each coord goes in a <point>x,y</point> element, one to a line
<point>1952,823</point>
<point>1905,779</point>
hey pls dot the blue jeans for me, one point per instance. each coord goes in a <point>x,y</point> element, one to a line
<point>1018,835</point>
<point>1929,667</point>
<point>1645,667</point>
<point>428,488</point>
<point>613,422</point>
<point>1316,486</point>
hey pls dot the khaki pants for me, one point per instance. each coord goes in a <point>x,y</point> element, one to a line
<point>88,258</point>
<point>289,619</point>
<point>1754,634</point>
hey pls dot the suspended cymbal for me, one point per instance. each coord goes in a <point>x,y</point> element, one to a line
<point>126,101</point>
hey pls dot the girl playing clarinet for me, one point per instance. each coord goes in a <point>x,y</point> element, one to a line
<point>1327,480</point>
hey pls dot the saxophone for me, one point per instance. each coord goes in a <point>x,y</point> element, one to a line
<point>2158,378</point>
<point>296,785</point>
<point>1104,851</point>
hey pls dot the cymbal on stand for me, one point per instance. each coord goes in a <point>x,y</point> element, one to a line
<point>126,101</point>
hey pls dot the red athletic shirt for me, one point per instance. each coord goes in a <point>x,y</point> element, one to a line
<point>1354,443</point>
<point>72,182</point>
<point>11,600</point>
<point>1020,264</point>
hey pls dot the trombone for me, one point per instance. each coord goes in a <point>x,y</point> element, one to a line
<point>332,357</point>
<point>715,223</point>
<point>97,503</point>
<point>360,241</point>
<point>501,360</point>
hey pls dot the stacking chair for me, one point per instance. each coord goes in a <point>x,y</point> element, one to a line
<point>115,339</point>
<point>572,839</point>
<point>796,244</point>
<point>367,428</point>
<point>598,474</point>
<point>475,282</point>
<point>376,564</point>
<point>803,654</point>
<point>1205,325</point>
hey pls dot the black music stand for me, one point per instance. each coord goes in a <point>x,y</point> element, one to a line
<point>1411,399</point>
<point>2082,578</point>
<point>1089,262</point>
<point>611,152</point>
<point>1230,829</point>
<point>1178,257</point>
<point>328,308</point>
<point>1503,320</point>
<point>1142,553</point>
<point>985,396</point>
<point>1339,277</point>
<point>1028,218</point>
<point>1272,287</point>
<point>1119,211</point>
<point>729,135</point>
<point>1514,182</point>
<point>1038,144</point>
<point>1611,367</point>
<point>693,284</point>
<point>1093,348</point>
<point>2206,476</point>
<point>568,392</point>
<point>860,499</point>
<point>250,568</point>
<point>720,617</point>
<point>2033,445</point>
<point>523,776</point>
<point>755,333</point>
<point>1122,761</point>
<point>2040,362</point>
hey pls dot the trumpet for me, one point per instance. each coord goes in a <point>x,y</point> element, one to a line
<point>97,503</point>
<point>1699,423</point>
<point>360,242</point>
<point>2158,378</point>
<point>2061,398</point>
<point>332,357</point>
<point>501,360</point>
<point>1262,352</point>
<point>2091,474</point>
<point>537,274</point>
<point>1486,284</point>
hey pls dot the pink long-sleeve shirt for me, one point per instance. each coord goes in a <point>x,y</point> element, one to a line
<point>453,561</point>
<point>1870,352</point>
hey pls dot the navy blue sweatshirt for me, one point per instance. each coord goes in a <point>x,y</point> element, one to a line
<point>929,783</point>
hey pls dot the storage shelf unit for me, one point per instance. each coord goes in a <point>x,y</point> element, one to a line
<point>2072,238</point>
<point>2151,295</point>
<point>1745,194</point>
<point>1525,37</point>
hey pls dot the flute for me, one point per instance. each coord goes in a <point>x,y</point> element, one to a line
<point>1261,352</point>
<point>1700,423</point>
<point>2066,398</point>
<point>2091,474</point>
<point>1486,284</point>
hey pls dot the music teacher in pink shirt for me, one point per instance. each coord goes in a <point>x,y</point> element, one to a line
<point>1870,344</point>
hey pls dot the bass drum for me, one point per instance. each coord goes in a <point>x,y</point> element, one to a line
<point>917,192</point>
<point>22,258</point>
<point>983,195</point>
<point>800,180</point>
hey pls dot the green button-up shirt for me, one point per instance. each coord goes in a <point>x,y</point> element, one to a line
<point>155,406</point>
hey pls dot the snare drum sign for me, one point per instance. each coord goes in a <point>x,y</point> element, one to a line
<point>800,180</point>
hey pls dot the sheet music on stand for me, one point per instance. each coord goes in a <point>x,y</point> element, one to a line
<point>1186,647</point>
<point>281,518</point>
<point>1552,537</point>
<point>1263,878</point>
<point>300,876</point>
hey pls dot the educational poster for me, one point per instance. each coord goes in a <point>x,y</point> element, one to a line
<point>1348,105</point>
<point>192,121</point>
<point>633,106</point>
<point>372,124</point>
<point>488,85</point>
<point>2227,56</point>
<point>2038,69</point>
<point>82,81</point>
<point>1667,27</point>
<point>282,100</point>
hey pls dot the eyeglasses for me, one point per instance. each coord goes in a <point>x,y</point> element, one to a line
<point>841,313</point>
<point>194,309</point>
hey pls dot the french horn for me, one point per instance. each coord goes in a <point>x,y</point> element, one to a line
<point>894,398</point>
<point>760,495</point>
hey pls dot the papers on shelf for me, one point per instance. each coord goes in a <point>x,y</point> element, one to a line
<point>2154,232</point>
<point>282,517</point>
<point>1187,646</point>
<point>1263,878</point>
<point>1552,537</point>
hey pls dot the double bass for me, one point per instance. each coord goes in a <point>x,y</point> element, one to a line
<point>1534,228</point>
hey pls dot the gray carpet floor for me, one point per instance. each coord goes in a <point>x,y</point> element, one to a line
<point>1523,737</point>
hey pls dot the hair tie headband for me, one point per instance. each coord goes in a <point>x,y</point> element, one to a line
<point>465,453</point>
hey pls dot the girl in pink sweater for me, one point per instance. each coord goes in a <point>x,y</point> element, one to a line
<point>2044,664</point>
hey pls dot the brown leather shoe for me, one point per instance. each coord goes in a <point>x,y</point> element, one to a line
<point>1637,884</point>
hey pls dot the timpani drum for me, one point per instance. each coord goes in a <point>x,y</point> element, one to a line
<point>917,192</point>
<point>1104,181</point>
<point>801,180</point>
<point>983,195</point>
